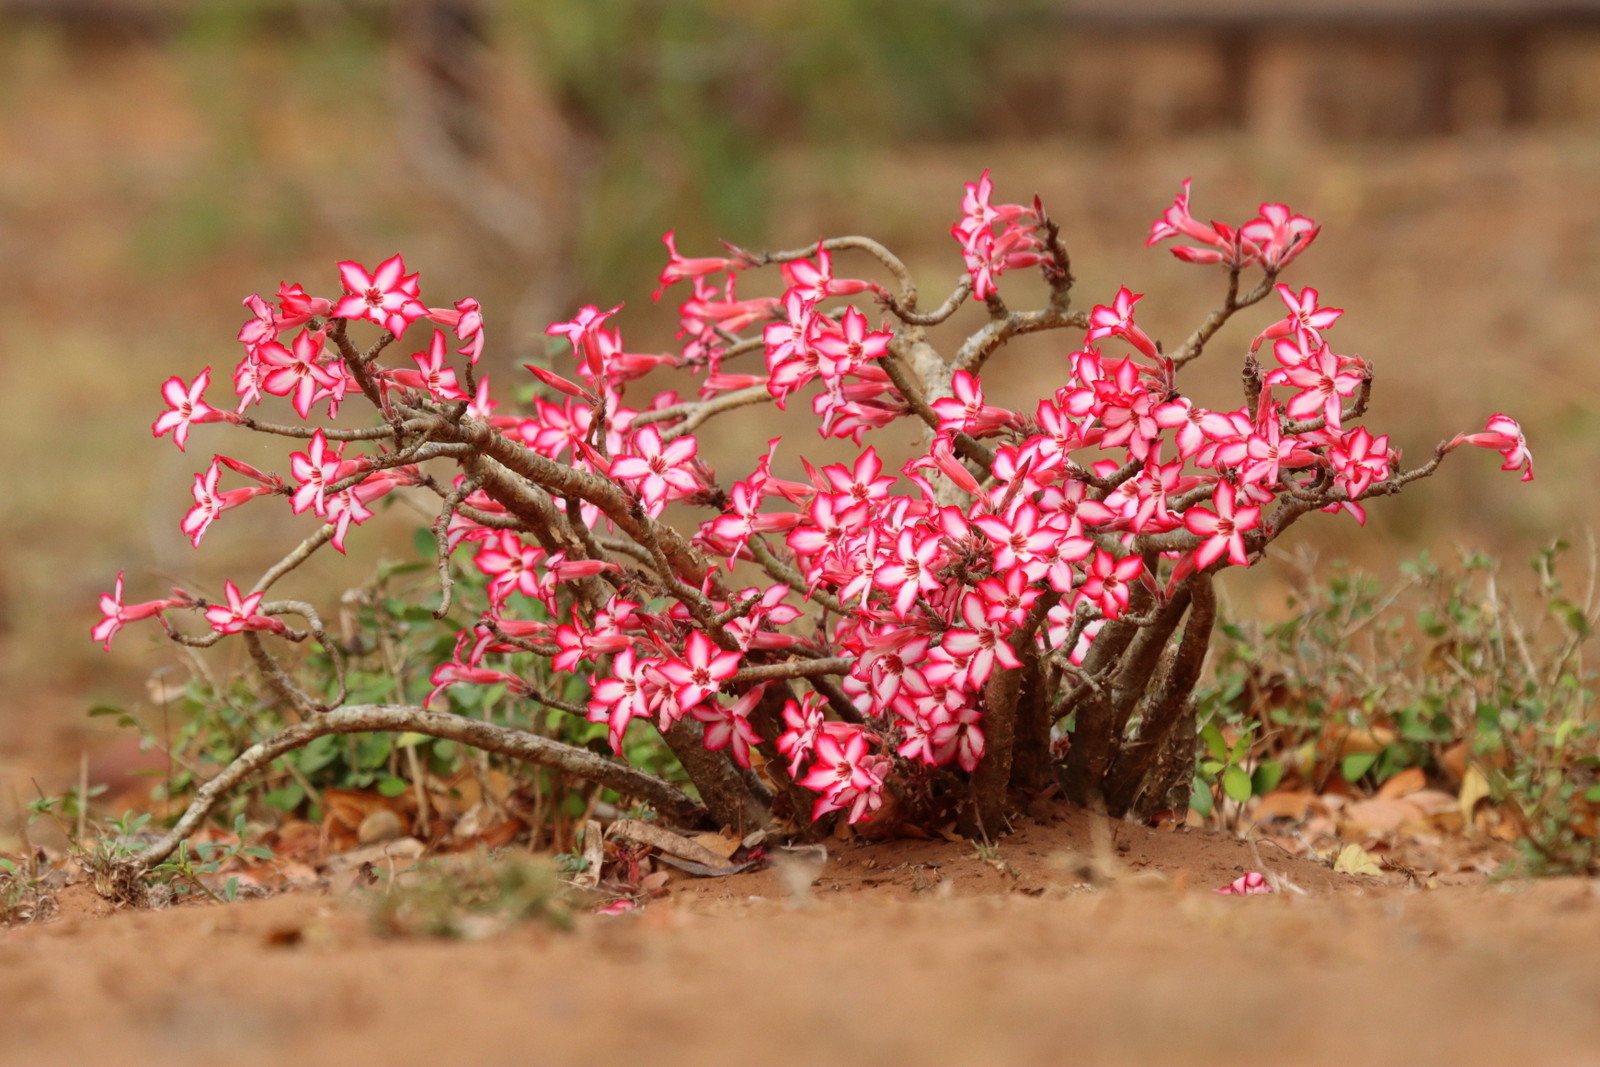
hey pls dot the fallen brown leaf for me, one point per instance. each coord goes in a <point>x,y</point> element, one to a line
<point>1403,784</point>
<point>1380,816</point>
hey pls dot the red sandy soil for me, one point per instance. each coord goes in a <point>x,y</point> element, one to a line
<point>1081,940</point>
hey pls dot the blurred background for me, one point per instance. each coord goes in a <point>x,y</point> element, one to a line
<point>161,160</point>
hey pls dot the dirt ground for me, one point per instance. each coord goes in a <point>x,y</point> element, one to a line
<point>1080,939</point>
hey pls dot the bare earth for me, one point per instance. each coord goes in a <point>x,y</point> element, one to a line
<point>900,952</point>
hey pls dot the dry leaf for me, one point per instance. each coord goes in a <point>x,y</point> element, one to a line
<point>1284,804</point>
<point>1474,787</point>
<point>1339,741</point>
<point>1403,784</point>
<point>1453,760</point>
<point>1353,859</point>
<point>668,842</point>
<point>1380,816</point>
<point>722,844</point>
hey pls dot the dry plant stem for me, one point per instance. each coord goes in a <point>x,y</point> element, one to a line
<point>1195,343</point>
<point>278,679</point>
<point>1092,740</point>
<point>1127,778</point>
<point>694,413</point>
<point>977,349</point>
<point>672,803</point>
<point>301,553</point>
<point>306,433</point>
<point>789,576</point>
<point>733,797</point>
<point>441,543</point>
<point>805,668</point>
<point>992,778</point>
<point>951,305</point>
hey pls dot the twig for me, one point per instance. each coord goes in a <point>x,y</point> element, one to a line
<point>671,802</point>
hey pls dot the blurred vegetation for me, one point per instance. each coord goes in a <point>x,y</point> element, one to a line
<point>1442,670</point>
<point>679,107</point>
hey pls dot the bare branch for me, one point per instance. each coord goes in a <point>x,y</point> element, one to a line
<point>671,802</point>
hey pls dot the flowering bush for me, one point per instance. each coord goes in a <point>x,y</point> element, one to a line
<point>1028,601</point>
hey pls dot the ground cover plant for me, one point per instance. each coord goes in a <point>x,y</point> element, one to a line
<point>1441,689</point>
<point>1027,605</point>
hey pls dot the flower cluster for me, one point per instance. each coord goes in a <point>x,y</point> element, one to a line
<point>885,602</point>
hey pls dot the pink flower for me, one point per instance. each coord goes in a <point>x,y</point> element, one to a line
<point>117,614</point>
<point>209,503</point>
<point>700,672</point>
<point>1117,321</point>
<point>1222,242</point>
<point>626,695</point>
<point>729,727</point>
<point>843,349</point>
<point>679,268</point>
<point>805,724</point>
<point>315,470</point>
<point>816,281</point>
<point>659,472</point>
<point>296,306</point>
<point>1246,885</point>
<point>846,776</point>
<point>188,407</point>
<point>1504,435</point>
<point>467,321</point>
<point>300,372</point>
<point>1305,318</point>
<point>583,332</point>
<point>1323,378</point>
<point>431,375</point>
<point>911,571</point>
<point>240,614</point>
<point>1223,528</point>
<point>965,411</point>
<point>512,565</point>
<point>1106,585</point>
<point>387,296</point>
<point>456,672</point>
<point>1278,235</point>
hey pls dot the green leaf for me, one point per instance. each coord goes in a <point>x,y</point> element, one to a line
<point>1592,794</point>
<point>1266,777</point>
<point>423,541</point>
<point>392,786</point>
<point>318,754</point>
<point>285,798</point>
<point>1357,764</point>
<point>1214,742</point>
<point>102,710</point>
<point>1236,783</point>
<point>1200,798</point>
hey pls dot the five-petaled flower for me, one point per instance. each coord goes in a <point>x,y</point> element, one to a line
<point>387,296</point>
<point>117,614</point>
<point>239,614</point>
<point>188,407</point>
<point>1504,435</point>
<point>1223,529</point>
